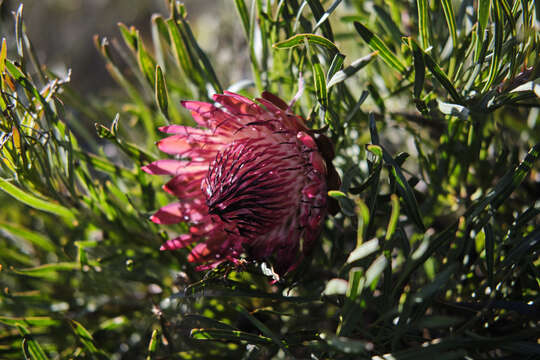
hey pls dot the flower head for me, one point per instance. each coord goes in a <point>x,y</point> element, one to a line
<point>252,179</point>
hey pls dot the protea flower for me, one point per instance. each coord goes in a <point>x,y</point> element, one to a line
<point>252,182</point>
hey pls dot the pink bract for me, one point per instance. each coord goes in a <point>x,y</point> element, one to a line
<point>251,182</point>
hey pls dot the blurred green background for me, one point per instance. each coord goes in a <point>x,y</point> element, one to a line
<point>62,32</point>
<point>433,108</point>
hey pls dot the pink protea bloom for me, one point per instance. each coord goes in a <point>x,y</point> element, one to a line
<point>252,180</point>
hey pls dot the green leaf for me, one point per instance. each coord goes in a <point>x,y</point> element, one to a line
<point>40,321</point>
<point>320,83</point>
<point>229,335</point>
<point>522,248</point>
<point>312,39</point>
<point>376,44</point>
<point>363,250</point>
<point>326,14</point>
<point>31,348</point>
<point>146,62</point>
<point>405,191</point>
<point>133,151</point>
<point>264,330</point>
<point>497,51</point>
<point>434,286</point>
<point>438,322</point>
<point>16,71</point>
<point>442,78</point>
<point>19,31</point>
<point>375,270</point>
<point>35,238</point>
<point>419,68</point>
<point>336,287</point>
<point>439,351</point>
<point>356,283</point>
<point>114,323</point>
<point>104,165</point>
<point>454,109</point>
<point>31,351</point>
<point>318,13</point>
<point>205,64</point>
<point>153,344</point>
<point>199,321</point>
<point>130,36</point>
<point>3,55</point>
<point>423,23</point>
<point>362,216</point>
<point>346,345</point>
<point>350,70</point>
<point>244,16</point>
<point>162,97</point>
<point>87,340</point>
<point>375,148</point>
<point>335,66</point>
<point>506,186</point>
<point>35,202</point>
<point>228,288</point>
<point>388,23</point>
<point>483,17</point>
<point>183,54</point>
<point>490,253</point>
<point>450,21</point>
<point>160,33</point>
<point>394,216</point>
<point>11,255</point>
<point>48,271</point>
<point>347,205</point>
<point>532,86</point>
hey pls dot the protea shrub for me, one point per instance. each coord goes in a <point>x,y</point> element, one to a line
<point>251,181</point>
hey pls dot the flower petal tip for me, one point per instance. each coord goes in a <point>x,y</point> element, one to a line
<point>146,169</point>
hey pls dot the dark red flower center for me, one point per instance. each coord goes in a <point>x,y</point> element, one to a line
<point>246,186</point>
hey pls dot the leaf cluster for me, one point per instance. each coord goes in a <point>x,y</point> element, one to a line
<point>433,108</point>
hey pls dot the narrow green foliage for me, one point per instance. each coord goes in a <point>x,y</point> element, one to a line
<point>300,39</point>
<point>228,335</point>
<point>33,237</point>
<point>153,345</point>
<point>319,80</point>
<point>429,246</point>
<point>146,63</point>
<point>450,20</point>
<point>319,15</point>
<point>350,70</point>
<point>35,202</point>
<point>393,218</point>
<point>423,23</point>
<point>376,44</point>
<point>442,78</point>
<point>335,66</point>
<point>498,39</point>
<point>389,24</point>
<point>86,339</point>
<point>32,350</point>
<point>484,7</point>
<point>162,97</point>
<point>29,321</point>
<point>327,14</point>
<point>244,16</point>
<point>419,68</point>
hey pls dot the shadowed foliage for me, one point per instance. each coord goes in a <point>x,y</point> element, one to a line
<point>433,110</point>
